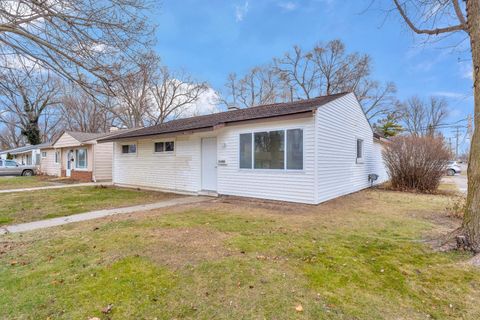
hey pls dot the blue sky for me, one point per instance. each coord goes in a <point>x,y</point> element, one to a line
<point>210,39</point>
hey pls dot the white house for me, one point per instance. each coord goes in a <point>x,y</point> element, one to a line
<point>27,155</point>
<point>306,151</point>
<point>77,155</point>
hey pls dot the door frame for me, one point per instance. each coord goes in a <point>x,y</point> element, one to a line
<point>69,164</point>
<point>201,164</point>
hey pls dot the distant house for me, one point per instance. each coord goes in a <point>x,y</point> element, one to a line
<point>27,155</point>
<point>77,155</point>
<point>306,151</point>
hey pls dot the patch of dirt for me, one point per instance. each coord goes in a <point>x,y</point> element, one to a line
<point>178,247</point>
<point>277,206</point>
<point>7,246</point>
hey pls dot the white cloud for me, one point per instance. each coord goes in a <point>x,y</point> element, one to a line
<point>241,11</point>
<point>449,94</point>
<point>466,70</point>
<point>207,103</point>
<point>288,6</point>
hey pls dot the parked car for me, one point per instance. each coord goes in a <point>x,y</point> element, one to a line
<point>12,168</point>
<point>453,168</point>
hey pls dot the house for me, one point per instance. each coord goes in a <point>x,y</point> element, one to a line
<point>306,151</point>
<point>27,155</point>
<point>79,156</point>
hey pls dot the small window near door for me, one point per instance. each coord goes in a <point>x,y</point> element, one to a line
<point>81,157</point>
<point>167,146</point>
<point>57,157</point>
<point>44,154</point>
<point>129,148</point>
<point>359,150</point>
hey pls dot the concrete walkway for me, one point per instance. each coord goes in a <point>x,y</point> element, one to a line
<point>29,226</point>
<point>73,185</point>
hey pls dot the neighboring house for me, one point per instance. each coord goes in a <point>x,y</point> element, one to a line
<point>27,155</point>
<point>306,151</point>
<point>77,155</point>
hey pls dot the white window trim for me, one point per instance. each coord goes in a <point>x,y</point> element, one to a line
<point>42,152</point>
<point>362,158</point>
<point>56,157</point>
<point>76,168</point>
<point>130,154</point>
<point>284,170</point>
<point>165,153</point>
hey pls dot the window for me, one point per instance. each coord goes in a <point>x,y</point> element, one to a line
<point>129,148</point>
<point>359,150</point>
<point>44,154</point>
<point>168,146</point>
<point>81,157</point>
<point>10,163</point>
<point>295,149</point>
<point>269,150</point>
<point>57,157</point>
<point>246,151</point>
<point>279,149</point>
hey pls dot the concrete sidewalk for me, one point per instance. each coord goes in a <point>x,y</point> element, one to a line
<point>73,185</point>
<point>29,226</point>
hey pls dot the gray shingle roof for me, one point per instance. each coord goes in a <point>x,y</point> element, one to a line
<point>26,148</point>
<point>200,122</point>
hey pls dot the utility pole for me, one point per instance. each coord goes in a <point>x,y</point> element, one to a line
<point>457,137</point>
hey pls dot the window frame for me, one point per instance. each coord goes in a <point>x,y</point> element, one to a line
<point>56,159</point>
<point>42,156</point>
<point>284,170</point>
<point>359,160</point>
<point>164,152</point>
<point>129,153</point>
<point>77,162</point>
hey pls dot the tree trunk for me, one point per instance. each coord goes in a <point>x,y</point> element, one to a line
<point>471,220</point>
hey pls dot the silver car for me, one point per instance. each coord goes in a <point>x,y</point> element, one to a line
<point>11,168</point>
<point>453,168</point>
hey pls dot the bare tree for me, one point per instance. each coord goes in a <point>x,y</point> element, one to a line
<point>172,94</point>
<point>261,85</point>
<point>434,18</point>
<point>132,99</point>
<point>326,69</point>
<point>78,40</point>
<point>422,118</point>
<point>26,95</point>
<point>10,136</point>
<point>81,112</point>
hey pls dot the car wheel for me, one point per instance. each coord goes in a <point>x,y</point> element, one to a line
<point>27,173</point>
<point>450,172</point>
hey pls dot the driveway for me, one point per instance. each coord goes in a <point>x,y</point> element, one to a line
<point>461,181</point>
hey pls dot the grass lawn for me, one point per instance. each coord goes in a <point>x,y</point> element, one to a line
<point>7,183</point>
<point>363,256</point>
<point>43,204</point>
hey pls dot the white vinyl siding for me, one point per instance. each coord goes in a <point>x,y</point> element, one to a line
<point>286,185</point>
<point>175,171</point>
<point>339,124</point>
<point>102,167</point>
<point>48,165</point>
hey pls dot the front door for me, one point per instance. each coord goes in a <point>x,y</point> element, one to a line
<point>209,164</point>
<point>68,171</point>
